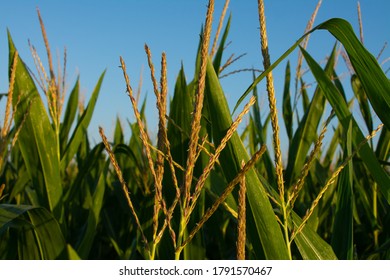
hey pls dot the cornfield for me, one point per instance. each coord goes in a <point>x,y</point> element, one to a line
<point>202,189</point>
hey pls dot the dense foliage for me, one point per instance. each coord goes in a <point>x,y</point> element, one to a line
<point>61,198</point>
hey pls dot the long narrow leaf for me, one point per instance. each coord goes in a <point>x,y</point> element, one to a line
<point>39,234</point>
<point>373,79</point>
<point>341,109</point>
<point>37,140</point>
<point>95,207</point>
<point>342,235</point>
<point>82,126</point>
<point>306,133</point>
<point>287,108</point>
<point>261,212</point>
<point>310,244</point>
<point>70,114</point>
<point>218,55</point>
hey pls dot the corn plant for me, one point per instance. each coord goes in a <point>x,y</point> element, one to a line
<point>39,212</point>
<point>202,190</point>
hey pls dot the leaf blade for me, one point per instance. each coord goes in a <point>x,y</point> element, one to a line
<point>261,212</point>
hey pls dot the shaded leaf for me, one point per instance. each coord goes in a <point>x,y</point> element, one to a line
<point>39,235</point>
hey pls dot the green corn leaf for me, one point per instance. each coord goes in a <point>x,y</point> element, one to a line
<point>364,105</point>
<point>72,254</point>
<point>383,146</point>
<point>179,126</point>
<point>260,209</point>
<point>131,155</point>
<point>21,183</point>
<point>305,96</point>
<point>257,114</point>
<point>332,147</point>
<point>261,132</point>
<point>339,85</point>
<point>84,247</point>
<point>39,235</point>
<point>373,79</point>
<point>37,140</point>
<point>287,108</point>
<point>70,114</point>
<point>88,164</point>
<point>118,133</point>
<point>81,127</point>
<point>306,133</point>
<point>342,234</point>
<point>310,244</point>
<point>266,71</point>
<point>341,109</point>
<point>218,55</point>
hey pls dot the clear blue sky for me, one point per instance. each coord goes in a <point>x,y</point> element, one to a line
<point>96,33</point>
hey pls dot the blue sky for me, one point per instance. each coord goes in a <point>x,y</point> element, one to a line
<point>96,33</point>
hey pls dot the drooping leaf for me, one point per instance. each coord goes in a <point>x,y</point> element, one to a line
<point>374,81</point>
<point>39,234</point>
<point>341,110</point>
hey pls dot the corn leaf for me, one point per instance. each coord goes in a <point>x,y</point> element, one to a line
<point>374,81</point>
<point>383,146</point>
<point>306,133</point>
<point>72,254</point>
<point>37,140</point>
<point>287,108</point>
<point>260,130</point>
<point>119,137</point>
<point>341,109</point>
<point>261,212</point>
<point>70,114</point>
<point>96,204</point>
<point>342,234</point>
<point>39,234</point>
<point>179,126</point>
<point>310,244</point>
<point>218,55</point>
<point>81,127</point>
<point>305,96</point>
<point>266,71</point>
<point>364,105</point>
